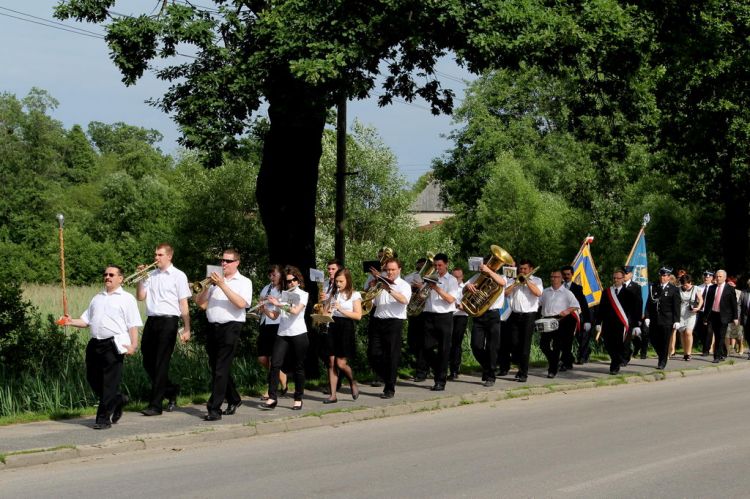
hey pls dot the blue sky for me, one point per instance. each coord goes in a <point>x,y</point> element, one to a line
<point>77,71</point>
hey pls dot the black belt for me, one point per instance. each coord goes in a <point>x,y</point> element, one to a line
<point>163,317</point>
<point>524,313</point>
<point>98,340</point>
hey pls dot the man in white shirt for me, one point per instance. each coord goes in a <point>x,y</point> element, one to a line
<point>524,292</point>
<point>386,325</point>
<point>559,303</point>
<point>438,320</point>
<point>114,319</point>
<point>166,292</point>
<point>225,302</point>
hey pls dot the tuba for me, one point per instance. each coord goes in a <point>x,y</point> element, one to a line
<point>476,304</point>
<point>418,299</point>
<point>369,295</point>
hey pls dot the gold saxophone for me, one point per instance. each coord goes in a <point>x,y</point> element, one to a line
<point>477,303</point>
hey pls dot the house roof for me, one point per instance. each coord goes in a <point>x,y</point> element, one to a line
<point>429,200</point>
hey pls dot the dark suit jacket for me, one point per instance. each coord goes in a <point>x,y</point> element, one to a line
<point>727,304</point>
<point>635,289</point>
<point>744,305</point>
<point>663,305</point>
<point>607,315</point>
<point>577,291</point>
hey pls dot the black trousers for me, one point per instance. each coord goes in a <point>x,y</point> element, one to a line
<point>457,341</point>
<point>485,337</point>
<point>640,343</point>
<point>157,345</point>
<point>520,332</point>
<point>720,333</point>
<point>702,334</point>
<point>437,343</point>
<point>104,374</point>
<point>567,332</point>
<point>659,335</point>
<point>584,345</point>
<point>554,343</point>
<point>415,342</point>
<point>615,345</point>
<point>385,345</point>
<point>283,348</point>
<point>221,346</point>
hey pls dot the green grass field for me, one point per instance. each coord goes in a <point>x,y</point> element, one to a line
<point>47,298</point>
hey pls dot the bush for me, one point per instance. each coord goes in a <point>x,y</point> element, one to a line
<point>27,344</point>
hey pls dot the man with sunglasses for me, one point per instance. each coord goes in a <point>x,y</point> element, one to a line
<point>113,319</point>
<point>166,293</point>
<point>225,302</point>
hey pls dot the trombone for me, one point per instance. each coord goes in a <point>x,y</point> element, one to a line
<point>138,275</point>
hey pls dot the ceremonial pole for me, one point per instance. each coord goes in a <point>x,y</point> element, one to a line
<point>61,221</point>
<point>646,220</point>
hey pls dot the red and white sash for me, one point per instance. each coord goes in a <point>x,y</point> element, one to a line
<point>617,306</point>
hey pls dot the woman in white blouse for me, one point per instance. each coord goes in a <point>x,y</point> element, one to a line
<point>270,316</point>
<point>291,339</point>
<point>347,308</point>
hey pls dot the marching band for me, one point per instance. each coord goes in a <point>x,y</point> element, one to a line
<point>431,298</point>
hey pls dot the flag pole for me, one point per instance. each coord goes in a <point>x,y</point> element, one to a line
<point>61,221</point>
<point>646,220</point>
<point>586,240</point>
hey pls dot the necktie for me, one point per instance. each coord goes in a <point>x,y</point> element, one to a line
<point>717,298</point>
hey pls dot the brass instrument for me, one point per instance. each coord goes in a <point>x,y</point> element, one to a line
<point>521,279</point>
<point>138,275</point>
<point>199,287</point>
<point>369,295</point>
<point>419,299</point>
<point>324,311</point>
<point>477,303</point>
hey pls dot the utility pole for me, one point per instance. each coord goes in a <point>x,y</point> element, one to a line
<point>339,247</point>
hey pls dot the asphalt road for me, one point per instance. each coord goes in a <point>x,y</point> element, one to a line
<point>679,438</point>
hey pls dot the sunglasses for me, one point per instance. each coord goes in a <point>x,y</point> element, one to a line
<point>226,260</point>
<point>291,280</point>
<point>109,274</point>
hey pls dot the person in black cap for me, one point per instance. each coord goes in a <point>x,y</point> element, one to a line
<point>662,314</point>
<point>702,334</point>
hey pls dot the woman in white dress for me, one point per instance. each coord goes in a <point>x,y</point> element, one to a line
<point>691,300</point>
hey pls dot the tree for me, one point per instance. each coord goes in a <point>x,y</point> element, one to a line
<point>302,57</point>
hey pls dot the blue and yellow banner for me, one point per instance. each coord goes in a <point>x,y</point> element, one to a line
<point>585,274</point>
<point>638,259</point>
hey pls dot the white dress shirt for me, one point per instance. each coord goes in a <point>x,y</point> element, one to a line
<point>164,290</point>
<point>524,301</point>
<point>347,304</point>
<point>294,325</point>
<point>553,301</point>
<point>435,303</point>
<point>111,315</point>
<point>270,290</point>
<point>387,307</point>
<point>220,310</point>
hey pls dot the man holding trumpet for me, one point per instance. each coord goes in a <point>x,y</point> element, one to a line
<point>166,291</point>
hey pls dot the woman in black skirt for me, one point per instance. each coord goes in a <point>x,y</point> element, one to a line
<point>347,308</point>
<point>269,323</point>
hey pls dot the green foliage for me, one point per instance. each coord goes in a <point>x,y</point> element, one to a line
<point>27,345</point>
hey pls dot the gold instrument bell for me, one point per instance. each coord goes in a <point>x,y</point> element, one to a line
<point>476,304</point>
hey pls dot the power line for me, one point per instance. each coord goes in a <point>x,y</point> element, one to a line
<point>51,22</point>
<point>69,30</point>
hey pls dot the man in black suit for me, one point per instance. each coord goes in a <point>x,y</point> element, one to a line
<point>636,313</point>
<point>585,319</point>
<point>616,319</point>
<point>721,309</point>
<point>702,334</point>
<point>662,314</point>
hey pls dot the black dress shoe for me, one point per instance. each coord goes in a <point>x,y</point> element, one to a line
<point>376,384</point>
<point>516,376</point>
<point>502,372</point>
<point>715,361</point>
<point>563,368</point>
<point>232,408</point>
<point>331,401</point>
<point>418,379</point>
<point>644,356</point>
<point>283,391</point>
<point>489,383</point>
<point>624,363</point>
<point>437,387</point>
<point>171,405</point>
<point>104,425</point>
<point>452,377</point>
<point>117,413</point>
<point>151,411</point>
<point>387,395</point>
<point>614,371</point>
<point>551,375</point>
<point>297,407</point>
<point>267,406</point>
<point>522,378</point>
<point>212,416</point>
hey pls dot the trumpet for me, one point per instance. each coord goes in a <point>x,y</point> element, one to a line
<point>200,286</point>
<point>521,280</point>
<point>138,275</point>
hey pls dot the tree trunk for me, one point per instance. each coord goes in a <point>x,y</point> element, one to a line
<point>288,177</point>
<point>734,230</point>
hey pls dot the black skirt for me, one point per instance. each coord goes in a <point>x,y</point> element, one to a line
<point>341,331</point>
